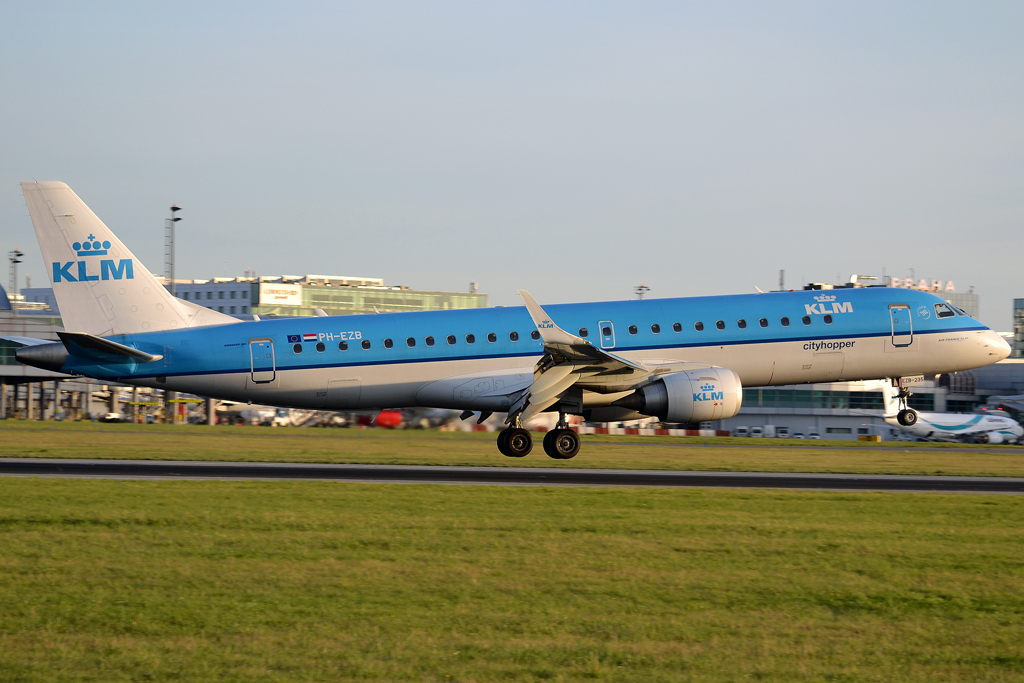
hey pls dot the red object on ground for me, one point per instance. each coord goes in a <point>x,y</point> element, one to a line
<point>389,419</point>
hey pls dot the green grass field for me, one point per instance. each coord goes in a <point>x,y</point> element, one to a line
<point>414,447</point>
<point>312,581</point>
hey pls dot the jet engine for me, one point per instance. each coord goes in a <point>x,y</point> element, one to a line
<point>992,438</point>
<point>690,396</point>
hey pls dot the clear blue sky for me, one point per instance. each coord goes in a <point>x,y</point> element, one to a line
<point>574,150</point>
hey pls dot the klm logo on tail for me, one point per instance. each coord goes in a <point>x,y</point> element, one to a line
<point>707,393</point>
<point>122,270</point>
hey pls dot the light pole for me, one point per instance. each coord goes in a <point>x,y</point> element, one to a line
<point>640,290</point>
<point>169,246</point>
<point>15,258</point>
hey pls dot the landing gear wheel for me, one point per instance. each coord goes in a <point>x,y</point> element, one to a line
<point>518,442</point>
<point>906,417</point>
<point>561,444</point>
<point>503,443</point>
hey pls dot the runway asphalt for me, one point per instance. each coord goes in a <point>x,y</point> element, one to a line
<point>507,476</point>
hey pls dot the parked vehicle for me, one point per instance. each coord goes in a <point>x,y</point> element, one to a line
<point>741,431</point>
<point>798,435</point>
<point>814,435</point>
<point>782,432</point>
<point>769,431</point>
<point>757,432</point>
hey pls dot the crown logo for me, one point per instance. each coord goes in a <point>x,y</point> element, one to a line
<point>707,387</point>
<point>91,247</point>
<point>825,297</point>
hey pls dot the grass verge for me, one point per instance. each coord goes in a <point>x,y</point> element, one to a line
<point>415,447</point>
<point>283,581</point>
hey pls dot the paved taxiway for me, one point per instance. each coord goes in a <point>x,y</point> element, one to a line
<point>509,476</point>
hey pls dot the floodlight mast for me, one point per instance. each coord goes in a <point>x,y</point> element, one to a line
<point>15,258</point>
<point>169,246</point>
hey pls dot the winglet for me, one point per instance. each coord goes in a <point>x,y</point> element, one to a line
<point>549,331</point>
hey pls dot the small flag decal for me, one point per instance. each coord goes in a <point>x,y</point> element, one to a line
<point>309,337</point>
<point>294,339</point>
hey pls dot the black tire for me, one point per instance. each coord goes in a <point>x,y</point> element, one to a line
<point>907,417</point>
<point>503,442</point>
<point>549,444</point>
<point>566,443</point>
<point>518,443</point>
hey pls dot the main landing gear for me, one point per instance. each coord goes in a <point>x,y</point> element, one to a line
<point>561,443</point>
<point>906,416</point>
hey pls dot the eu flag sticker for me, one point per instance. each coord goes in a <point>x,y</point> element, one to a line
<point>294,339</point>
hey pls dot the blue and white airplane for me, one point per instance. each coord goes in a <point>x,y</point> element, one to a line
<point>682,360</point>
<point>966,427</point>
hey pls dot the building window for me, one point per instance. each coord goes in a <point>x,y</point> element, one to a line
<point>245,309</point>
<point>863,430</point>
<point>677,327</point>
<point>297,348</point>
<point>741,323</point>
<point>720,324</point>
<point>220,308</point>
<point>584,332</point>
<point>245,294</point>
<point>806,320</point>
<point>699,326</point>
<point>491,337</point>
<point>388,343</point>
<point>838,430</point>
<point>184,295</point>
<point>233,293</point>
<point>209,295</point>
<point>763,322</point>
<point>632,329</point>
<point>320,348</point>
<point>232,309</point>
<point>451,340</point>
<point>514,336</point>
<point>470,339</point>
<point>410,342</point>
<point>220,294</point>
<point>429,341</point>
<point>535,335</point>
<point>785,322</point>
<point>366,344</point>
<point>656,328</point>
<point>343,346</point>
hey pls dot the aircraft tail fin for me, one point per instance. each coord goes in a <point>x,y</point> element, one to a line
<point>101,288</point>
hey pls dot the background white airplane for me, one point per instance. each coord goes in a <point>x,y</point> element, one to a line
<point>967,427</point>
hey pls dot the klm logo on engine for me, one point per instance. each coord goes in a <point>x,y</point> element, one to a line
<point>828,304</point>
<point>76,271</point>
<point>708,393</point>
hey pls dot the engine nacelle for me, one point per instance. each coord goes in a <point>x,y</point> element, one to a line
<point>690,396</point>
<point>993,438</point>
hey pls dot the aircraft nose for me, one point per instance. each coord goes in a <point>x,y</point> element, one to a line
<point>997,346</point>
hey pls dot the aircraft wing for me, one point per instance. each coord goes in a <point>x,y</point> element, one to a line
<point>567,359</point>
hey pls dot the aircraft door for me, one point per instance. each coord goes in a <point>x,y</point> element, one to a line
<point>902,325</point>
<point>261,356</point>
<point>607,330</point>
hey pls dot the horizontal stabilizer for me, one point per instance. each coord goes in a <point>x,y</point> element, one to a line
<point>90,346</point>
<point>27,341</point>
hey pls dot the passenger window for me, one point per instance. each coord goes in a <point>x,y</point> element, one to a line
<point>828,319</point>
<point>451,339</point>
<point>388,343</point>
<point>943,311</point>
<point>606,331</point>
<point>720,324</point>
<point>656,328</point>
<point>470,339</point>
<point>535,335</point>
<point>491,337</point>
<point>297,348</point>
<point>584,332</point>
<point>343,346</point>
<point>320,348</point>
<point>699,326</point>
<point>366,344</point>
<point>429,341</point>
<point>763,322</point>
<point>741,323</point>
<point>806,319</point>
<point>410,342</point>
<point>785,322</point>
<point>632,329</point>
<point>514,336</point>
<point>677,327</point>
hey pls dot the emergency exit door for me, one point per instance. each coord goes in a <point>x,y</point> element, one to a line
<point>902,325</point>
<point>261,356</point>
<point>607,330</point>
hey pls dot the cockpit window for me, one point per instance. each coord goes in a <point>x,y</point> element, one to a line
<point>943,311</point>
<point>959,311</point>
